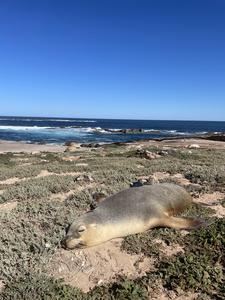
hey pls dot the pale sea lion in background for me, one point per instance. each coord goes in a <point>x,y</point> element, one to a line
<point>131,211</point>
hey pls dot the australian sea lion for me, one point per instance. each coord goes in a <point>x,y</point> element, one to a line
<point>131,211</point>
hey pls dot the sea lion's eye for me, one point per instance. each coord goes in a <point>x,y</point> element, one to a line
<point>82,228</point>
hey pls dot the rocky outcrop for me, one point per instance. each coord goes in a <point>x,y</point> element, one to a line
<point>71,146</point>
<point>126,131</point>
<point>132,131</point>
<point>147,154</point>
<point>91,145</point>
<point>71,158</point>
<point>215,137</point>
<point>193,146</point>
<point>85,177</point>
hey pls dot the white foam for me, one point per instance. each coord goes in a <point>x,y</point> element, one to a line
<point>95,130</point>
<point>22,128</point>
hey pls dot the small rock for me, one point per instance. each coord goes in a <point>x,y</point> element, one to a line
<point>163,152</point>
<point>132,131</point>
<point>91,145</point>
<point>145,181</point>
<point>71,158</point>
<point>152,179</point>
<point>72,146</point>
<point>147,154</point>
<point>2,285</point>
<point>35,152</point>
<point>47,245</point>
<point>193,146</point>
<point>84,177</point>
<point>136,184</point>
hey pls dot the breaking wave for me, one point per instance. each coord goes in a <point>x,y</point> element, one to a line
<point>94,130</point>
<point>59,130</point>
<point>46,120</point>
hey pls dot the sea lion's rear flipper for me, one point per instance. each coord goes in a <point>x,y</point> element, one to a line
<point>182,223</point>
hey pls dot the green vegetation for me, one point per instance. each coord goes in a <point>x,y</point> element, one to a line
<point>201,268</point>
<point>40,288</point>
<point>32,232</point>
<point>5,159</point>
<point>30,235</point>
<point>39,188</point>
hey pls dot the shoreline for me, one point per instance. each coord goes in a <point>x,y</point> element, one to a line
<point>206,142</point>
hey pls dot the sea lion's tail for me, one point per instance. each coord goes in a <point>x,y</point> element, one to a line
<point>182,223</point>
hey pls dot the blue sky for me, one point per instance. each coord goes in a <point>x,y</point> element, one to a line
<point>153,59</point>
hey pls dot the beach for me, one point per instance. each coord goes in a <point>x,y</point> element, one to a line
<point>43,188</point>
<point>20,146</point>
<point>12,146</point>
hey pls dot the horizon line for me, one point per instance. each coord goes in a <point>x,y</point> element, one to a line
<point>86,118</point>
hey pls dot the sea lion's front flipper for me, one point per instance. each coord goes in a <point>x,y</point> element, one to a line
<point>182,223</point>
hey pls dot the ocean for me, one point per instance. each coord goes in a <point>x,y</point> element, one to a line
<point>60,130</point>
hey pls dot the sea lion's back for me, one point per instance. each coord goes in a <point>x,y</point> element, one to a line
<point>142,202</point>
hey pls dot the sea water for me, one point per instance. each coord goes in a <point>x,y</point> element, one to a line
<point>60,130</point>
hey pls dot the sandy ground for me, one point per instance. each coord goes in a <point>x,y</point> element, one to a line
<point>10,146</point>
<point>183,143</point>
<point>97,265</point>
<point>212,200</point>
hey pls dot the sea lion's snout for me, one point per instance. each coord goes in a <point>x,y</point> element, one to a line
<point>81,234</point>
<point>71,242</point>
<point>74,238</point>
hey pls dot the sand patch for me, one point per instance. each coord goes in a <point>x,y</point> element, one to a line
<point>81,165</point>
<point>180,179</point>
<point>11,180</point>
<point>184,296</point>
<point>26,164</point>
<point>63,196</point>
<point>163,176</point>
<point>43,173</point>
<point>7,207</point>
<point>71,158</point>
<point>213,200</point>
<point>23,159</point>
<point>2,285</point>
<point>11,146</point>
<point>97,265</point>
<point>177,143</point>
<point>210,199</point>
<point>169,250</point>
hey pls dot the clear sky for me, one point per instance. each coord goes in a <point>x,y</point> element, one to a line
<point>153,59</point>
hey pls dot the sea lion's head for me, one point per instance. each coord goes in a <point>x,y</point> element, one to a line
<point>81,234</point>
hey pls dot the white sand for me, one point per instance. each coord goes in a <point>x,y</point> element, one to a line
<point>11,146</point>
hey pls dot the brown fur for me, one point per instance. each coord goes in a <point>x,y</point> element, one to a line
<point>131,211</point>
